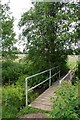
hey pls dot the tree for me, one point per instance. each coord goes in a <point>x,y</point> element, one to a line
<point>47,29</point>
<point>7,35</point>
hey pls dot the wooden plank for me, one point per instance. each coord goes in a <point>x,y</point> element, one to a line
<point>44,100</point>
<point>41,106</point>
<point>48,103</point>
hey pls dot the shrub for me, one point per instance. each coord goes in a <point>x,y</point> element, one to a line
<point>79,69</point>
<point>21,82</point>
<point>66,102</point>
<point>11,71</point>
<point>14,99</point>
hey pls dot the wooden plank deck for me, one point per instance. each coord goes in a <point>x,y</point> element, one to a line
<point>44,100</point>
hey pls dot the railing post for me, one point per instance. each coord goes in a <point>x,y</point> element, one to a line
<point>59,74</point>
<point>26,92</point>
<point>50,77</point>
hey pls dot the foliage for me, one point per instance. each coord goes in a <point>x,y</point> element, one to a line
<point>21,82</point>
<point>13,100</point>
<point>7,33</point>
<point>14,72</point>
<point>72,61</point>
<point>29,110</point>
<point>66,102</point>
<point>11,71</point>
<point>79,69</point>
<point>46,27</point>
<point>77,73</point>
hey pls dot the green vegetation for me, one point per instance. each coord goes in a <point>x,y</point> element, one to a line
<point>7,30</point>
<point>48,38</point>
<point>67,103</point>
<point>29,110</point>
<point>72,61</point>
<point>78,72</point>
<point>46,27</point>
<point>11,71</point>
<point>13,100</point>
<point>0,101</point>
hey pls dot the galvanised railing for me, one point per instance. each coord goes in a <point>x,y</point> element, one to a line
<point>70,73</point>
<point>49,78</point>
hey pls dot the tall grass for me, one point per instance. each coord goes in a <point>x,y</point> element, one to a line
<point>72,61</point>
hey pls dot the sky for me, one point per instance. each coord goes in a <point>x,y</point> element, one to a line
<point>17,7</point>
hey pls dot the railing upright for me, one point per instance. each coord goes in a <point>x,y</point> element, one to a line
<point>70,75</point>
<point>59,74</point>
<point>50,77</point>
<point>26,92</point>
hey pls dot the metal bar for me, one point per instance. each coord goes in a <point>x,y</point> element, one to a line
<point>40,73</point>
<point>64,77</point>
<point>73,71</point>
<point>26,79</point>
<point>38,84</point>
<point>70,75</point>
<point>50,77</point>
<point>59,74</point>
<point>42,82</point>
<point>55,74</point>
<point>26,92</point>
<point>54,67</point>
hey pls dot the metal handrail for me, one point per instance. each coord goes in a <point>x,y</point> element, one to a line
<point>26,79</point>
<point>64,77</point>
<point>71,76</point>
<point>41,72</point>
<point>43,82</point>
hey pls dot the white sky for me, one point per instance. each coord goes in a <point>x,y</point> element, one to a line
<point>17,7</point>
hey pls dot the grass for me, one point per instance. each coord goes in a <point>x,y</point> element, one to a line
<point>20,57</point>
<point>72,61</point>
<point>29,110</point>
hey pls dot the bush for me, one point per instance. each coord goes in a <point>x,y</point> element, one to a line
<point>11,71</point>
<point>66,102</point>
<point>12,100</point>
<point>21,82</point>
<point>79,69</point>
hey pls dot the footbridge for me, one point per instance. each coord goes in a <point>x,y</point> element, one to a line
<point>44,100</point>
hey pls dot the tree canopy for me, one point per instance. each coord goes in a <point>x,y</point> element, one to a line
<point>51,32</point>
<point>7,35</point>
